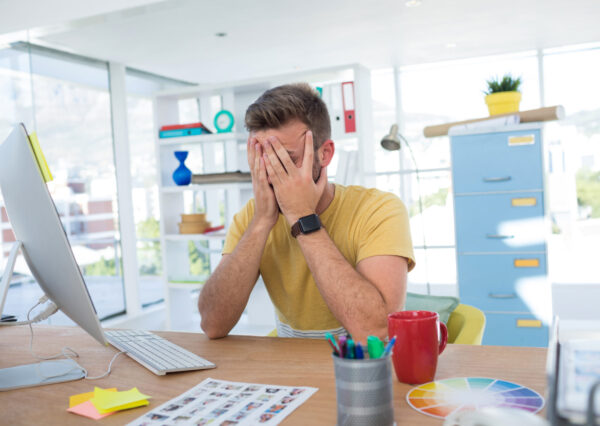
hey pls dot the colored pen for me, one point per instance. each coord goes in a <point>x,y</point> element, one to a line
<point>332,343</point>
<point>374,346</point>
<point>389,347</point>
<point>350,349</point>
<point>342,345</point>
<point>358,349</point>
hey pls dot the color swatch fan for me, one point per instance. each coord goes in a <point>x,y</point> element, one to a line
<point>444,397</point>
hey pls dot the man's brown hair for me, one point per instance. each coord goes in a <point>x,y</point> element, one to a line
<point>279,105</point>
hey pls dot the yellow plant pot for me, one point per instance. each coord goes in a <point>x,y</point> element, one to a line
<point>503,102</point>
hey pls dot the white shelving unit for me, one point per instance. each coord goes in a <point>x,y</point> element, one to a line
<point>226,152</point>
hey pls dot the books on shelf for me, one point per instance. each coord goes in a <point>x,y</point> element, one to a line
<point>179,130</point>
<point>227,177</point>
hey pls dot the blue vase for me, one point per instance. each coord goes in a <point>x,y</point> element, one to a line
<point>182,175</point>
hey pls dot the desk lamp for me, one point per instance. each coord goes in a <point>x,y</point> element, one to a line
<point>393,142</point>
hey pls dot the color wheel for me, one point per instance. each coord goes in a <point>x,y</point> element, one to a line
<point>443,397</point>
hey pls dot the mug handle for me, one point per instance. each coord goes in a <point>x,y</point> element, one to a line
<point>443,336</point>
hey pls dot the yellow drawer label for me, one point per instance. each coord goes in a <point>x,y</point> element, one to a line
<point>523,202</point>
<point>521,140</point>
<point>527,263</point>
<point>529,323</point>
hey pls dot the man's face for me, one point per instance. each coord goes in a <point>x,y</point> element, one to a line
<point>292,136</point>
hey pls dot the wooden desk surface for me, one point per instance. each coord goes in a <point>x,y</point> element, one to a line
<point>269,360</point>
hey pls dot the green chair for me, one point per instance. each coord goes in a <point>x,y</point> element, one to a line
<point>465,323</point>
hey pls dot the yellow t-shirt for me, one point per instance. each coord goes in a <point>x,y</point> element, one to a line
<point>361,222</point>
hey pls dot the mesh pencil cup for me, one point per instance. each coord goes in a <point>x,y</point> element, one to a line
<point>364,391</point>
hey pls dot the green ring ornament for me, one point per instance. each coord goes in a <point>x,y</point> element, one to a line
<point>224,121</point>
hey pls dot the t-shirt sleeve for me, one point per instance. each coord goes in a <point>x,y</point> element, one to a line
<point>386,230</point>
<point>238,226</point>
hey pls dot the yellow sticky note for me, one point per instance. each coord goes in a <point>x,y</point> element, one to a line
<point>39,156</point>
<point>106,401</point>
<point>125,407</point>
<point>82,397</point>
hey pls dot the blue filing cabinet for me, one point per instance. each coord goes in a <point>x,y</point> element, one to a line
<point>498,186</point>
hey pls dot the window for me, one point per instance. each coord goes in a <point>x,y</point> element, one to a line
<point>571,80</point>
<point>144,174</point>
<point>434,94</point>
<point>66,101</point>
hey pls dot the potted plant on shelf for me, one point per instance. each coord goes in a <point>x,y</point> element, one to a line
<point>503,96</point>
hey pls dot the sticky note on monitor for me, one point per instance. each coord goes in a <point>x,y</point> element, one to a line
<point>39,156</point>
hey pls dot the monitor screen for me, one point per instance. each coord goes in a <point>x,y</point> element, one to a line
<point>36,223</point>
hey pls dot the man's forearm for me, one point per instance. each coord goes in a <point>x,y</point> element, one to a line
<point>354,301</point>
<point>226,293</point>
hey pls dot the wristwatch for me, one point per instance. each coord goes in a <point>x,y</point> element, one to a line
<point>306,225</point>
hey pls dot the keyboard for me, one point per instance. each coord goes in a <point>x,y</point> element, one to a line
<point>155,353</point>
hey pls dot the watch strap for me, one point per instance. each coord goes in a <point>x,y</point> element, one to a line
<point>296,229</point>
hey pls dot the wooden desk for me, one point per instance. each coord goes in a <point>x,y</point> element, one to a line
<point>292,362</point>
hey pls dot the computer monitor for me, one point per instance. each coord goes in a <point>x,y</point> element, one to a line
<point>36,223</point>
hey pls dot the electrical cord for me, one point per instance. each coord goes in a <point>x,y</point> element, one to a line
<point>65,352</point>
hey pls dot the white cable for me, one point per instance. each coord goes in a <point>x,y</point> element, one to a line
<point>66,351</point>
<point>50,310</point>
<point>107,372</point>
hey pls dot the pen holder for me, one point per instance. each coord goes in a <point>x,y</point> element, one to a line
<point>364,391</point>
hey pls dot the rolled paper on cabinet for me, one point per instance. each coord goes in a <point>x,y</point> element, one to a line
<point>556,112</point>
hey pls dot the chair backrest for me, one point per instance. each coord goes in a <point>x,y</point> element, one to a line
<point>466,325</point>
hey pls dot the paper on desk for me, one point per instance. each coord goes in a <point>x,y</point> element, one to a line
<point>83,397</point>
<point>107,401</point>
<point>87,409</point>
<point>220,402</point>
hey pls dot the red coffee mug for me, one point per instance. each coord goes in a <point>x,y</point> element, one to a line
<point>415,353</point>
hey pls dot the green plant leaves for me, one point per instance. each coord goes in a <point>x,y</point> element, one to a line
<point>507,84</point>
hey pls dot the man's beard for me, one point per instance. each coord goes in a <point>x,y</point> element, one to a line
<point>316,172</point>
<point>316,169</point>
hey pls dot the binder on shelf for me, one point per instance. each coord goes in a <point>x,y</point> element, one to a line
<point>349,107</point>
<point>185,126</point>
<point>332,96</point>
<point>227,177</point>
<point>176,133</point>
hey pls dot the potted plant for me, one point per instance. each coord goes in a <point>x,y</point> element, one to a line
<point>503,96</point>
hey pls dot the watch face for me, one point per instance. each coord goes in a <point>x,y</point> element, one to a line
<point>309,223</point>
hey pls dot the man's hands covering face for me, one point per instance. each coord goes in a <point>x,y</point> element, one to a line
<point>296,191</point>
<point>266,211</point>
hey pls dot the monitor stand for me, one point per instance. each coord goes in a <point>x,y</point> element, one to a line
<point>40,373</point>
<point>8,272</point>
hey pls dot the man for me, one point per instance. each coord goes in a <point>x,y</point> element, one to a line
<point>346,275</point>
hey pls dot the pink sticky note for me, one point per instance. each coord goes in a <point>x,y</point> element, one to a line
<point>87,409</point>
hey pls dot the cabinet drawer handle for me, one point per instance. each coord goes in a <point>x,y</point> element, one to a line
<point>529,323</point>
<point>502,295</point>
<point>497,179</point>
<point>499,237</point>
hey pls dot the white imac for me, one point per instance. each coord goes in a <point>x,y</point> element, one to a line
<point>39,231</point>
